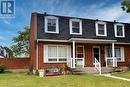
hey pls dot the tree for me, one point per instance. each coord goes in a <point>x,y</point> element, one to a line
<point>9,52</point>
<point>125,5</point>
<point>21,43</point>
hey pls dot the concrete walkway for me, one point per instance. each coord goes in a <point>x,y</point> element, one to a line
<point>115,77</point>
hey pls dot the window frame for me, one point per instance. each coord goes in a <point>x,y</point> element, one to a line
<point>80,53</point>
<point>105,28</point>
<point>121,50</point>
<point>123,30</point>
<point>45,56</point>
<point>46,24</point>
<point>80,26</point>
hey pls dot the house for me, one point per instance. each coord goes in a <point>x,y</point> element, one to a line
<point>3,52</point>
<point>78,42</point>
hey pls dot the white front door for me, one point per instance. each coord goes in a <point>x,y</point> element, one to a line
<point>79,60</point>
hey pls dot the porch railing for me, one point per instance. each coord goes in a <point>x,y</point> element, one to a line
<point>109,62</point>
<point>97,66</point>
<point>79,62</point>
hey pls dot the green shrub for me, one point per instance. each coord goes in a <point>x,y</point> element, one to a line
<point>129,64</point>
<point>30,69</point>
<point>2,68</point>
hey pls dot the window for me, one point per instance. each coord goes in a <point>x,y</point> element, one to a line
<point>79,51</point>
<point>119,53</point>
<point>51,24</point>
<point>75,26</point>
<point>55,53</point>
<point>101,29</point>
<point>119,30</point>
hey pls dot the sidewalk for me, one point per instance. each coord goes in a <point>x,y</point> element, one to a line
<point>115,77</point>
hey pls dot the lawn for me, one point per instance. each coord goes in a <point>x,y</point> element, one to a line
<point>125,74</point>
<point>22,80</point>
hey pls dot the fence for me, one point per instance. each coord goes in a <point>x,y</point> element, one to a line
<point>15,63</point>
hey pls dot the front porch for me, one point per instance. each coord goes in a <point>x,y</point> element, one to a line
<point>92,53</point>
<point>81,53</point>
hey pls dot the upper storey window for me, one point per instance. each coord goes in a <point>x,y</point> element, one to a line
<point>119,30</point>
<point>51,24</point>
<point>101,29</point>
<point>75,26</point>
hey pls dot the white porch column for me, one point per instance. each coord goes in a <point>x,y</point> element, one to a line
<point>113,54</point>
<point>73,54</point>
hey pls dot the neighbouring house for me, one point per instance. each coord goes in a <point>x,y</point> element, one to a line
<point>78,42</point>
<point>3,52</point>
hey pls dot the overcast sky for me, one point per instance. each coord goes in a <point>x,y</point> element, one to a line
<point>93,9</point>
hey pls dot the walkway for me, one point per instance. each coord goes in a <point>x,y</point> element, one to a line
<point>115,77</point>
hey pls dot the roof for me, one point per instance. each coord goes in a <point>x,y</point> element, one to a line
<point>88,29</point>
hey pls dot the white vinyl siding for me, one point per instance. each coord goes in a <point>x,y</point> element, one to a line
<point>55,53</point>
<point>75,26</point>
<point>51,24</point>
<point>101,29</point>
<point>119,30</point>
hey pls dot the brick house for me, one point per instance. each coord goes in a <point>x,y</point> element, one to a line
<point>78,42</point>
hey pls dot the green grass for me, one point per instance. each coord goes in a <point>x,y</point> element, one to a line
<point>22,80</point>
<point>125,74</point>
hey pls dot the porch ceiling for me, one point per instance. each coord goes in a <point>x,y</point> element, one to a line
<point>96,41</point>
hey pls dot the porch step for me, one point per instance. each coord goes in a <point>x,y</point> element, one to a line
<point>91,70</point>
<point>78,71</point>
<point>107,69</point>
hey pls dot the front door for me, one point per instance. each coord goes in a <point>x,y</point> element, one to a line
<point>79,56</point>
<point>96,53</point>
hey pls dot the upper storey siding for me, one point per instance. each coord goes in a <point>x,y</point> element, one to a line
<point>88,29</point>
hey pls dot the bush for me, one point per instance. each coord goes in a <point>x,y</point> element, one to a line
<point>129,64</point>
<point>30,69</point>
<point>2,68</point>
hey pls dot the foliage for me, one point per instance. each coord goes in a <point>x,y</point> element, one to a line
<point>2,68</point>
<point>30,68</point>
<point>21,43</point>
<point>126,5</point>
<point>129,64</point>
<point>63,68</point>
<point>9,52</point>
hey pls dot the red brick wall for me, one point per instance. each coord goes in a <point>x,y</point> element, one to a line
<point>32,42</point>
<point>127,56</point>
<point>88,54</point>
<point>15,63</point>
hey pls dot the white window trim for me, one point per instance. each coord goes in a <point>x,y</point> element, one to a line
<point>46,24</point>
<point>122,53</point>
<point>105,28</point>
<point>83,50</point>
<point>80,26</point>
<point>123,30</point>
<point>45,54</point>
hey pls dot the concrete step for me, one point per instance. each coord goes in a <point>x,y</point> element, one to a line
<point>91,70</point>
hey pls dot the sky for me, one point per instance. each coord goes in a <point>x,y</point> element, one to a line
<point>109,10</point>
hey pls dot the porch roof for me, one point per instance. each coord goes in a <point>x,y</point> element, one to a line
<point>83,40</point>
<point>99,41</point>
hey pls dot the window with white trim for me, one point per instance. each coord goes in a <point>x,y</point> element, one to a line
<point>75,26</point>
<point>51,24</point>
<point>55,53</point>
<point>101,29</point>
<point>79,51</point>
<point>119,30</point>
<point>119,53</point>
